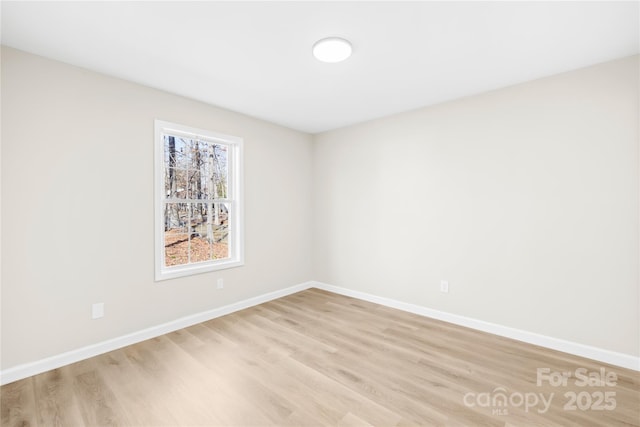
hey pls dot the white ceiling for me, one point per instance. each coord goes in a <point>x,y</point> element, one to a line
<point>255,57</point>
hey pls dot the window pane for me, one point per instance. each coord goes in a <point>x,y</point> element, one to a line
<point>213,171</point>
<point>175,152</point>
<point>197,169</point>
<point>221,171</point>
<point>175,217</point>
<point>200,247</point>
<point>221,231</point>
<point>176,234</point>
<point>206,173</point>
<point>176,183</point>
<point>187,147</point>
<point>175,248</point>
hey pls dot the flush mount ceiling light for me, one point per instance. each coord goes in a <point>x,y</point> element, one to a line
<point>332,49</point>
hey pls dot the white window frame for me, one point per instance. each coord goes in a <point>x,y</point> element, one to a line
<point>234,198</point>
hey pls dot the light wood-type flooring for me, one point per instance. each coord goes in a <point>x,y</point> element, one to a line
<point>317,358</point>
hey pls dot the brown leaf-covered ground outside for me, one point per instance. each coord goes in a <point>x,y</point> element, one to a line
<point>178,247</point>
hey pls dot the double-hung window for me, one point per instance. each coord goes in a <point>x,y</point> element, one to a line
<point>198,201</point>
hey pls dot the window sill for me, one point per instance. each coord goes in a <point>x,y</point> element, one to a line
<point>191,269</point>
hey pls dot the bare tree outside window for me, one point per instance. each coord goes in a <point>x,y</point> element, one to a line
<point>196,222</point>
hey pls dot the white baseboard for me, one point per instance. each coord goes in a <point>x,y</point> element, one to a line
<point>28,369</point>
<point>595,353</point>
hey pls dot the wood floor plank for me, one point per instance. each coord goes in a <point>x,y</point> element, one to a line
<point>18,404</point>
<point>130,386</point>
<point>56,403</point>
<point>98,405</point>
<point>320,359</point>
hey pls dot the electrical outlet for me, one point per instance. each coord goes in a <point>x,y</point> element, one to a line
<point>444,286</point>
<point>220,283</point>
<point>97,310</point>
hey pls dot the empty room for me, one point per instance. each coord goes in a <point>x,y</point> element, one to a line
<point>320,213</point>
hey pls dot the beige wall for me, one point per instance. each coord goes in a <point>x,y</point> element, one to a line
<point>77,208</point>
<point>525,199</point>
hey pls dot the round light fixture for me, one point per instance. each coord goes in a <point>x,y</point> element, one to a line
<point>332,49</point>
